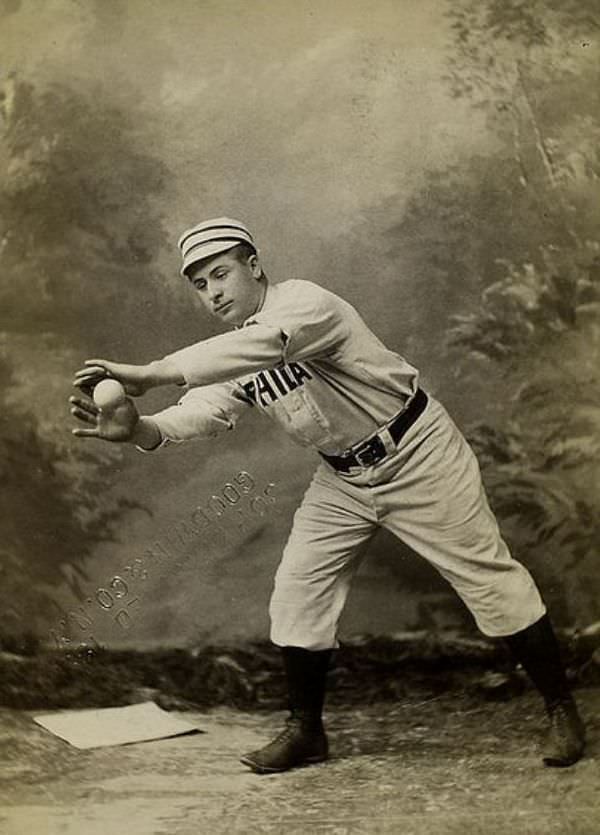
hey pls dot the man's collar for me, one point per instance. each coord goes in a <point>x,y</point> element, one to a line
<point>263,297</point>
<point>261,303</point>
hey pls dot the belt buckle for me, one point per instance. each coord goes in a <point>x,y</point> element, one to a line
<point>370,452</point>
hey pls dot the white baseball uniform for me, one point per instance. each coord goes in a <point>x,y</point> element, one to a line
<point>309,362</point>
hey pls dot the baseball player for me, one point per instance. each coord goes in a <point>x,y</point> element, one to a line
<point>390,456</point>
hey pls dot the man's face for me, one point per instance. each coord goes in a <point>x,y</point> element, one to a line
<point>229,289</point>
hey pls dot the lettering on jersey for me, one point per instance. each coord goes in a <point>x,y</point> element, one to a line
<point>269,386</point>
<point>264,389</point>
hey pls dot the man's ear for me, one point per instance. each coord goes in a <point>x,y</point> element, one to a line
<point>255,266</point>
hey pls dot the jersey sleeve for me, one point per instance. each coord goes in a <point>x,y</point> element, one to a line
<point>313,323</point>
<point>229,355</point>
<point>204,412</point>
<point>304,321</point>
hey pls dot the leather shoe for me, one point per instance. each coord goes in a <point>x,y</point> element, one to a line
<point>566,738</point>
<point>295,746</point>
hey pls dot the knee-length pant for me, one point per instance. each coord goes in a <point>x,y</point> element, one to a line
<point>430,495</point>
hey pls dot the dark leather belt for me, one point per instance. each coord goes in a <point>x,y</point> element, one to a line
<point>373,450</point>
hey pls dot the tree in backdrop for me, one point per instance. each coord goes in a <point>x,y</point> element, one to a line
<point>78,228</point>
<point>532,69</point>
<point>507,249</point>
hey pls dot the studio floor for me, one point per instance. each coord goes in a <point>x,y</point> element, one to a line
<point>450,764</point>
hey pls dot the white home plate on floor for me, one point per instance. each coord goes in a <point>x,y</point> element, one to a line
<point>102,727</point>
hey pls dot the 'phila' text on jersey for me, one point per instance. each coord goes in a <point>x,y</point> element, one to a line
<point>269,386</point>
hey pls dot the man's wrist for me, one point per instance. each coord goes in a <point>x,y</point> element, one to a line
<point>163,372</point>
<point>146,434</point>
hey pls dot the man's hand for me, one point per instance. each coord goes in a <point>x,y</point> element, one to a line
<point>136,379</point>
<point>118,424</point>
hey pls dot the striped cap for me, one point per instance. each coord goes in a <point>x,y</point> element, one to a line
<point>211,237</point>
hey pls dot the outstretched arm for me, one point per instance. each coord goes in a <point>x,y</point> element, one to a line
<point>308,322</point>
<point>201,413</point>
<point>303,322</point>
<point>218,359</point>
<point>136,379</point>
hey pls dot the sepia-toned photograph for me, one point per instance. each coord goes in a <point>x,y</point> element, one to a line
<point>300,443</point>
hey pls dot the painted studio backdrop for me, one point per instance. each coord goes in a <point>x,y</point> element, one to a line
<point>434,163</point>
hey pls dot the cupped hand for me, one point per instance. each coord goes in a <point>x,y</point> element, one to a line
<point>115,425</point>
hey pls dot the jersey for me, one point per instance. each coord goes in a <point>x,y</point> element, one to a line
<point>306,359</point>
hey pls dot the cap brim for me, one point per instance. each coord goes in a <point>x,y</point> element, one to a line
<point>207,251</point>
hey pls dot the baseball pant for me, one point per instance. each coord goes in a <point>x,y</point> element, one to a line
<point>428,493</point>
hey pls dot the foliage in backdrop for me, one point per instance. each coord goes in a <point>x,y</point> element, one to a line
<point>538,321</point>
<point>77,224</point>
<point>507,248</point>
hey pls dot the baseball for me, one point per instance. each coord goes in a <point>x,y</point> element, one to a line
<point>108,394</point>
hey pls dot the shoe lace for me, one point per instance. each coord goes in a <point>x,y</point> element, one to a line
<point>293,726</point>
<point>289,731</point>
<point>565,719</point>
<point>559,719</point>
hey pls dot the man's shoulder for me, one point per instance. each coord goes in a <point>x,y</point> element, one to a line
<point>297,285</point>
<point>297,290</point>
